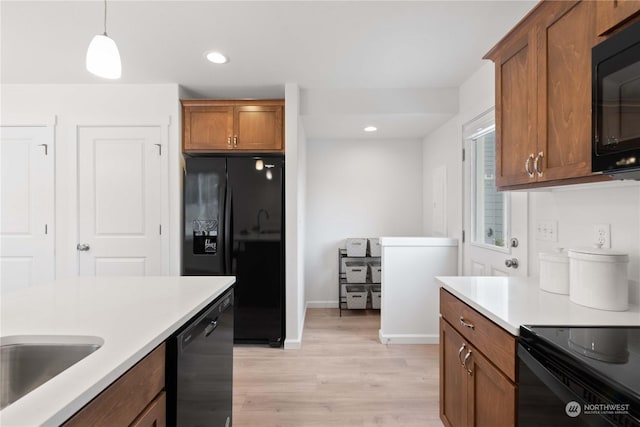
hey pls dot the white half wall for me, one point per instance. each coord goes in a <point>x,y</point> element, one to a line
<point>357,188</point>
<point>70,106</point>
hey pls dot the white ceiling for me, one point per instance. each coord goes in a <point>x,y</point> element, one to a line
<point>396,64</point>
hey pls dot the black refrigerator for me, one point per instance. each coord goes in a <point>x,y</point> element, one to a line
<point>234,225</point>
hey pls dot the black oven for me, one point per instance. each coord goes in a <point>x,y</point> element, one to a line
<point>579,376</point>
<point>616,105</point>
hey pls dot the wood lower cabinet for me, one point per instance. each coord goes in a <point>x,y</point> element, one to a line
<point>212,126</point>
<point>136,398</point>
<point>543,97</point>
<point>474,388</point>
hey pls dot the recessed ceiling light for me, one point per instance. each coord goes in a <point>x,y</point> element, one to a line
<point>370,129</point>
<point>216,57</point>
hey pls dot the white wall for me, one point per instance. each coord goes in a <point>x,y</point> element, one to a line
<point>577,209</point>
<point>69,106</point>
<point>295,175</point>
<point>443,148</point>
<point>357,188</point>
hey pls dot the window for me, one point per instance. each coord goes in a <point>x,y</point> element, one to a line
<point>489,219</point>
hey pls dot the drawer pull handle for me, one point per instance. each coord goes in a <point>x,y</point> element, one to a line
<point>464,363</point>
<point>460,352</point>
<point>468,325</point>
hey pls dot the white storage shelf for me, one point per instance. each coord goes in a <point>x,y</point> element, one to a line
<point>358,271</point>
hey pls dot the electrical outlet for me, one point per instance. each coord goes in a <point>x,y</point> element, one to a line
<point>547,231</point>
<point>602,235</point>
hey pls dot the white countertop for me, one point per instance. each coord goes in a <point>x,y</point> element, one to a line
<point>418,241</point>
<point>514,301</point>
<point>132,315</point>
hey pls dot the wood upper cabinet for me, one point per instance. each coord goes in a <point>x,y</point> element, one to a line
<point>565,34</point>
<point>215,126</point>
<point>613,13</point>
<point>477,368</point>
<point>543,97</point>
<point>515,111</point>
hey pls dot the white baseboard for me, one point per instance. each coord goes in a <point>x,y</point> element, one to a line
<point>408,338</point>
<point>322,304</point>
<point>296,343</point>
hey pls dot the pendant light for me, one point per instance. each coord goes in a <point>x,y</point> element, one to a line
<point>103,58</point>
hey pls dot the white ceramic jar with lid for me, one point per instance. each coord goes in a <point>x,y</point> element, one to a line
<point>554,271</point>
<point>598,278</point>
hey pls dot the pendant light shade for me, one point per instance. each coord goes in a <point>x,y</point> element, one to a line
<point>103,58</point>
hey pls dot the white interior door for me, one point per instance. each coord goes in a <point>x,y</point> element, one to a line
<point>26,206</point>
<point>119,186</point>
<point>495,225</point>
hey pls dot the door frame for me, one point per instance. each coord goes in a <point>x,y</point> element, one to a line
<point>74,211</point>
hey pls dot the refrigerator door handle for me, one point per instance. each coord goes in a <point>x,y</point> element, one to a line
<point>228,230</point>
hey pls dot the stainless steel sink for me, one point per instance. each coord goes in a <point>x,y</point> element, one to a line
<point>26,362</point>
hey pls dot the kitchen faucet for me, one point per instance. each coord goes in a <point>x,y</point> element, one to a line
<point>258,220</point>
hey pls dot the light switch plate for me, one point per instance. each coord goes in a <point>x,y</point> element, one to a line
<point>547,231</point>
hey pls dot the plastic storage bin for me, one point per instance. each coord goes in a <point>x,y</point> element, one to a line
<point>376,271</point>
<point>356,271</point>
<point>356,247</point>
<point>356,297</point>
<point>374,246</point>
<point>376,297</point>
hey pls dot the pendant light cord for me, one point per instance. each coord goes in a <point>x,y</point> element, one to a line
<point>105,17</point>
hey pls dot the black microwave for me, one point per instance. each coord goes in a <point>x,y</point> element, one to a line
<point>615,146</point>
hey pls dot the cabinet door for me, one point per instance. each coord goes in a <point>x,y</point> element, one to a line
<point>453,381</point>
<point>258,128</point>
<point>565,36</point>
<point>611,13</point>
<point>515,111</point>
<point>207,128</point>
<point>491,396</point>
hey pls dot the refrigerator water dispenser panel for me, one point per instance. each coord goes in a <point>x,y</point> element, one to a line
<point>205,237</point>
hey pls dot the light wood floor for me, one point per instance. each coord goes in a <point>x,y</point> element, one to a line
<point>342,376</point>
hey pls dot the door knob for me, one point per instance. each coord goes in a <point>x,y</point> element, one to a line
<point>83,247</point>
<point>511,263</point>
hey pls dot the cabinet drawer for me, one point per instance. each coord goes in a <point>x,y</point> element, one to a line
<point>154,415</point>
<point>494,342</point>
<point>127,397</point>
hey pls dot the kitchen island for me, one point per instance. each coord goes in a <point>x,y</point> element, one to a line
<point>131,315</point>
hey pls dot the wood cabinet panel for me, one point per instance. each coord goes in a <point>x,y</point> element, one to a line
<point>258,127</point>
<point>207,128</point>
<point>566,35</point>
<point>486,387</point>
<point>613,13</point>
<point>127,397</point>
<point>452,377</point>
<point>515,111</point>
<point>155,414</point>
<point>493,341</point>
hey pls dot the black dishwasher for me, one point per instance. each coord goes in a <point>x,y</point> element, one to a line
<point>200,368</point>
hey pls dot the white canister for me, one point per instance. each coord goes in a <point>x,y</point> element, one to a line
<point>554,272</point>
<point>598,278</point>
